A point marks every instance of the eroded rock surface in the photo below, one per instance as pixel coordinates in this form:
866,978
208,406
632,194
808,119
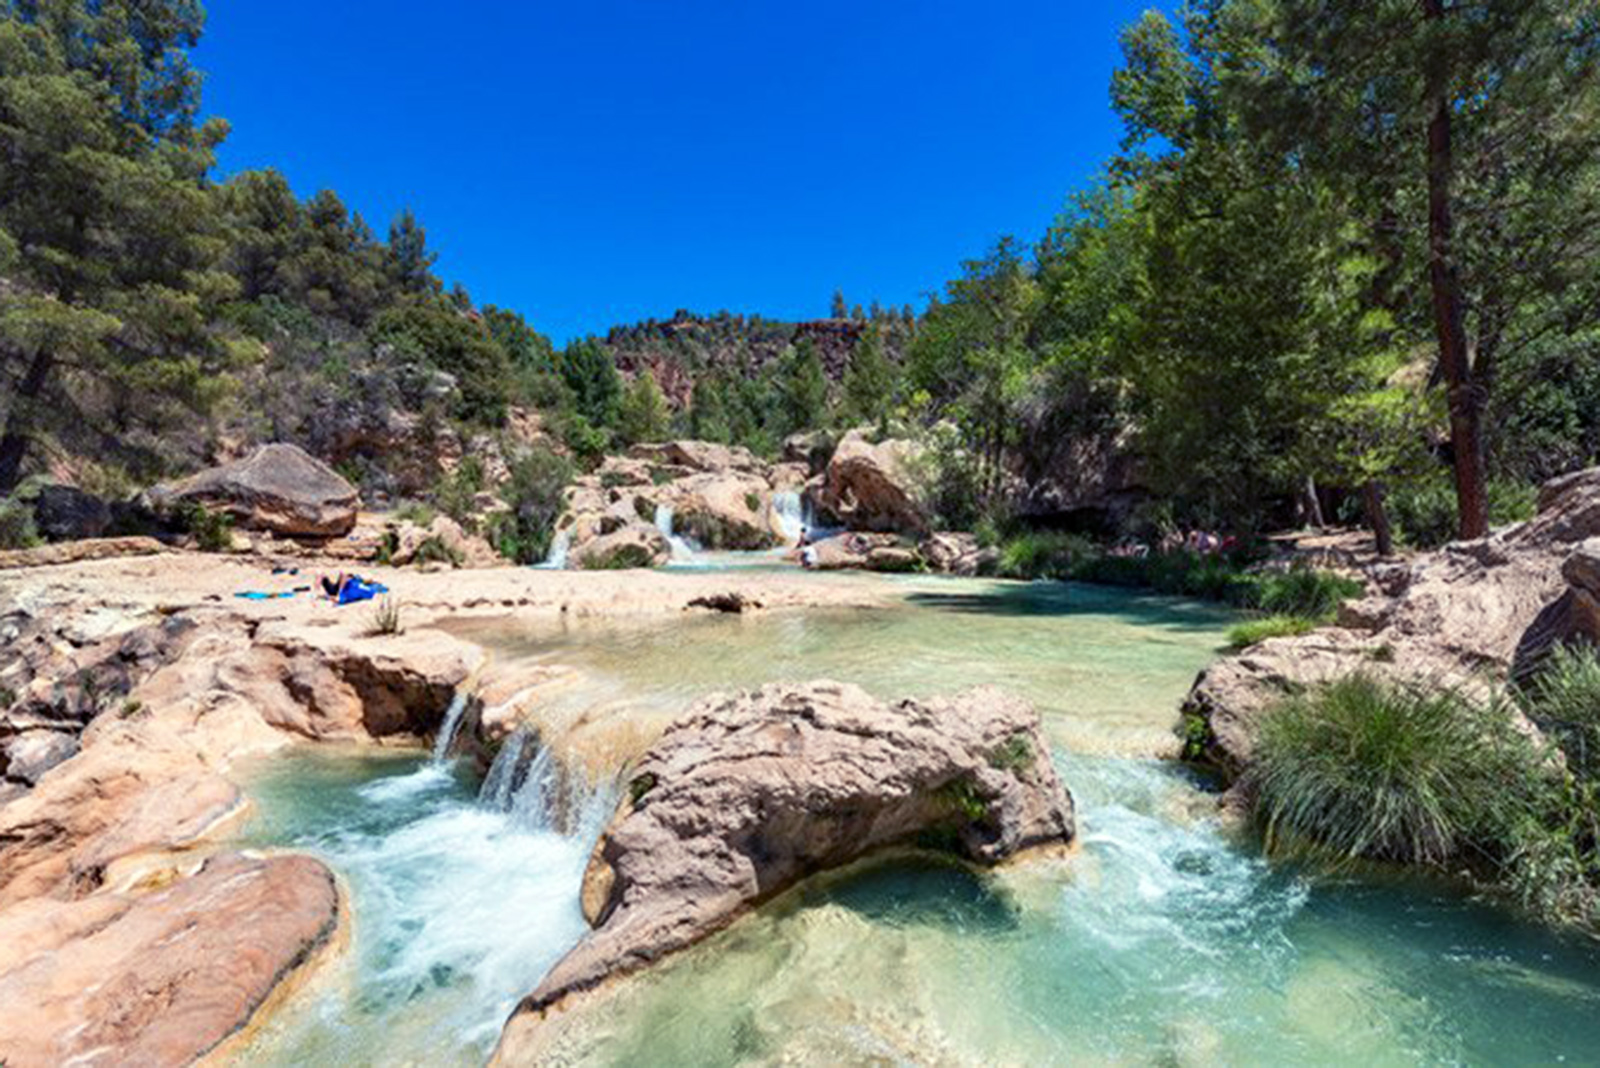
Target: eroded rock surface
1470,615
278,487
748,794
871,486
158,978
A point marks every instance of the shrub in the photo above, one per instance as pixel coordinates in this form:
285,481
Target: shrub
1304,592
534,493
1243,635
1360,768
1563,698
752,502
435,550
1424,511
457,495
622,558
213,531
16,525
1044,555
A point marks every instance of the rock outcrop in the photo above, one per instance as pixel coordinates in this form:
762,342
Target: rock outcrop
871,486
158,978
278,488
1471,614
719,497
628,546
748,794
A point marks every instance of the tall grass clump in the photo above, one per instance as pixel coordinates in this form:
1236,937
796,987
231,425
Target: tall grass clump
1563,699
1554,866
1302,591
1365,769
1043,554
386,619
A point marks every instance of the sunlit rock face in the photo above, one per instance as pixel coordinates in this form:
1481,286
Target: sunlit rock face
748,794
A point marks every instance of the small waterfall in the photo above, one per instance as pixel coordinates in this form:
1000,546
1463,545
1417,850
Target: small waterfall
501,781
790,512
450,728
557,558
683,549
539,793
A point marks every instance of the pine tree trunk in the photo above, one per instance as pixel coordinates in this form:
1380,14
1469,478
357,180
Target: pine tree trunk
19,420
1466,403
1378,517
1313,505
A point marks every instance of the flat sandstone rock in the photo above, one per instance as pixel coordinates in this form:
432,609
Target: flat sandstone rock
748,794
159,978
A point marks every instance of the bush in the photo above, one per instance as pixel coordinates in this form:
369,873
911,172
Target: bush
16,525
1360,768
213,531
457,495
1424,512
1243,635
534,493
1044,555
1563,698
435,550
1304,592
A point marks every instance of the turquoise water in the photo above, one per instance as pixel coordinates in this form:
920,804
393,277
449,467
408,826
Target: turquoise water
1161,941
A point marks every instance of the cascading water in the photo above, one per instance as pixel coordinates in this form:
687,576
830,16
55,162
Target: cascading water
450,728
1161,940
790,513
683,550
556,559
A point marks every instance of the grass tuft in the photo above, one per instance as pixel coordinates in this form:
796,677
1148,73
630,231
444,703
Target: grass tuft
1365,769
1253,631
385,619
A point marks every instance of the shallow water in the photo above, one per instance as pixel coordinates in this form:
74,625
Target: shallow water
1160,941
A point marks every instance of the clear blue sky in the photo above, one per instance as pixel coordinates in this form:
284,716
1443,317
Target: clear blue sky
600,162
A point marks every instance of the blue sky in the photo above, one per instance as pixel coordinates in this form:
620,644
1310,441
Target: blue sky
603,162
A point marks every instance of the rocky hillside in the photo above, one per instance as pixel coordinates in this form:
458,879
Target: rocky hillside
687,347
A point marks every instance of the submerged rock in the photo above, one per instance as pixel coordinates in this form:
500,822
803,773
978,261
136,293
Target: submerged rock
159,978
749,794
279,488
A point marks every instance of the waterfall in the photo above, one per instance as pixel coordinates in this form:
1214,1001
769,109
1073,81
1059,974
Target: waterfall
451,726
501,781
539,793
557,558
683,549
790,513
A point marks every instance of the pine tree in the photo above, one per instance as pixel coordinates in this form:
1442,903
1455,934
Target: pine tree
410,263
107,231
802,390
869,384
643,414
839,310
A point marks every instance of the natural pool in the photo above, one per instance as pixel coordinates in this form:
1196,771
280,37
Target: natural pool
1160,942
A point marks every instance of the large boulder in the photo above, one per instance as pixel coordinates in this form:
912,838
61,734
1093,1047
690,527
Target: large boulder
725,511
441,542
161,978
67,513
871,486
278,488
748,794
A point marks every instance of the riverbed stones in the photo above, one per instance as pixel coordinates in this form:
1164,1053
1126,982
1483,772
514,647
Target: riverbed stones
748,794
158,978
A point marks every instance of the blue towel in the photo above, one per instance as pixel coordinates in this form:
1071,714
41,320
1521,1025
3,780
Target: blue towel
359,589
